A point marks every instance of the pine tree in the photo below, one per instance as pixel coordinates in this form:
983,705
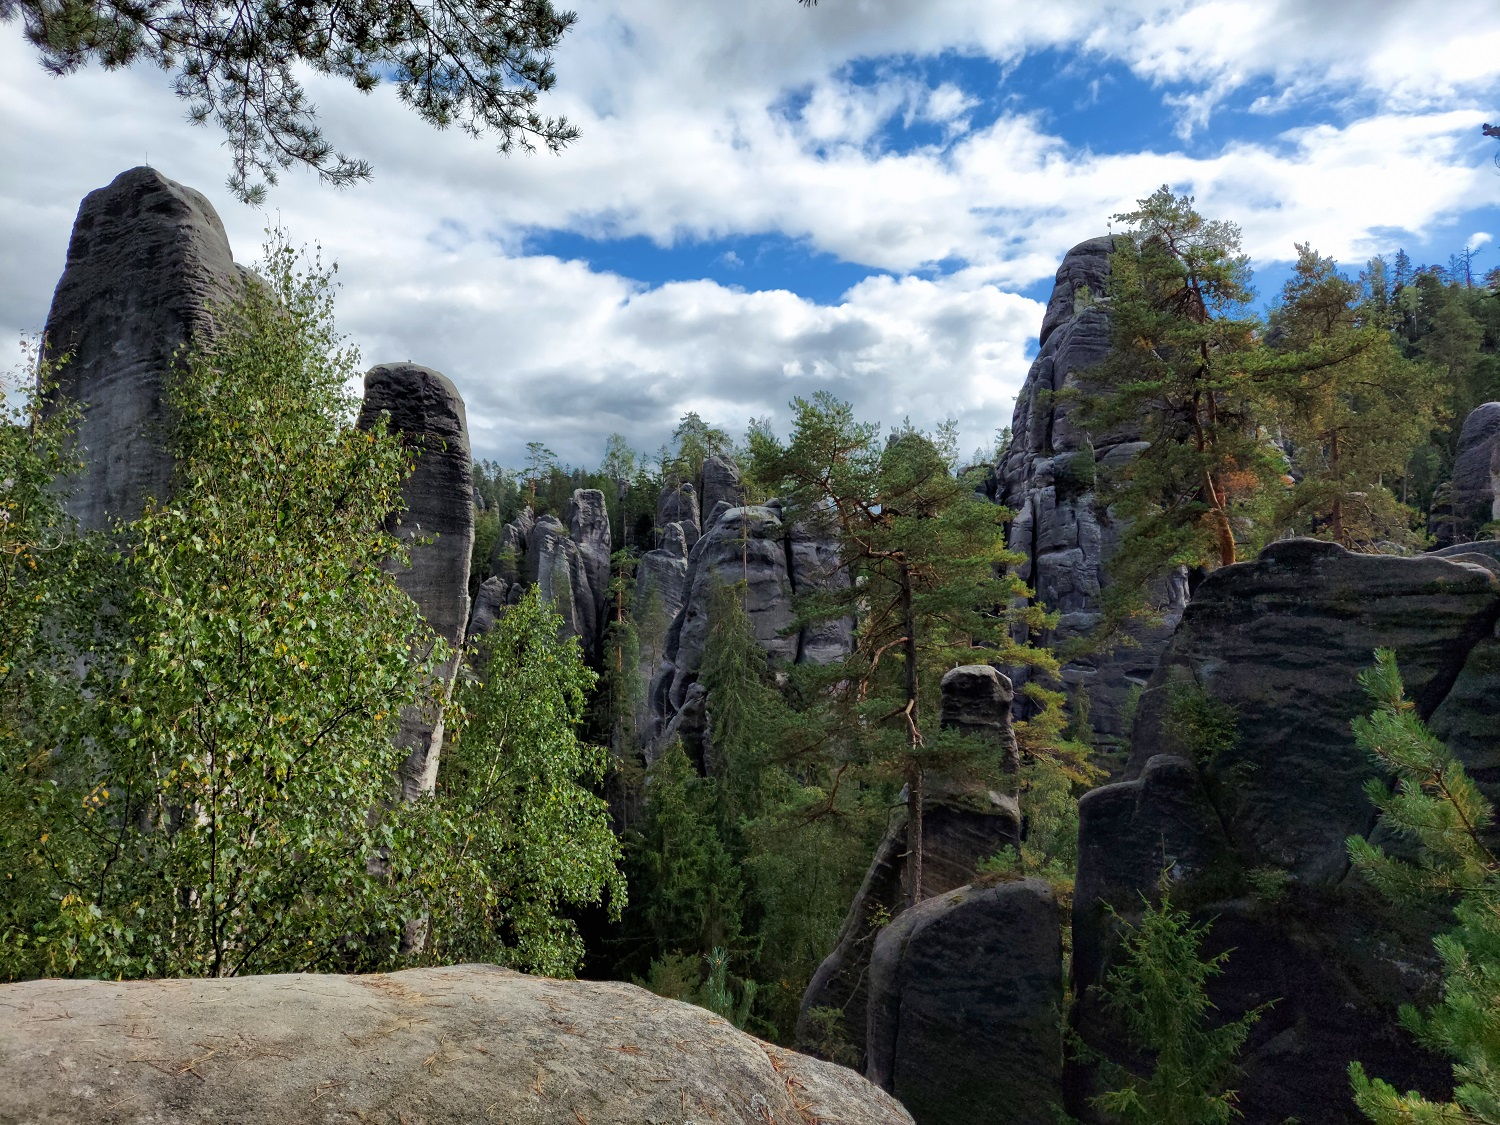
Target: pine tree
1178,370
923,556
1350,407
1436,807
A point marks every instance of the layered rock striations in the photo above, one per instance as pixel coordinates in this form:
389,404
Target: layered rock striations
751,547
1473,495
425,409
966,993
1063,531
459,1044
1245,782
148,269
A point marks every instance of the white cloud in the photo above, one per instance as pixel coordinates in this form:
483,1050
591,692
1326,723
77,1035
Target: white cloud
688,134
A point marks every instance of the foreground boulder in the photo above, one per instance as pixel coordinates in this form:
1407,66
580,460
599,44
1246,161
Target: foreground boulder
467,1043
148,267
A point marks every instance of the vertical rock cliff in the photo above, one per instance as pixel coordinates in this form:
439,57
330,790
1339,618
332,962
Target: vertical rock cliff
148,265
426,410
1046,477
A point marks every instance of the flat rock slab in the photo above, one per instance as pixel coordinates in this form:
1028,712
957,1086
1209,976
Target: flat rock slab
469,1043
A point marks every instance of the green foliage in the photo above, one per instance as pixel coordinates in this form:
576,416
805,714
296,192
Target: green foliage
205,808
1203,726
687,890
924,558
1436,807
693,442
1349,405
1179,287
480,66
1159,992
514,835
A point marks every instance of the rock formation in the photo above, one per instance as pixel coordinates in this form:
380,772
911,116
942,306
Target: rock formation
426,410
568,559
148,266
1046,478
1473,495
962,825
966,994
718,483
1245,781
460,1044
749,545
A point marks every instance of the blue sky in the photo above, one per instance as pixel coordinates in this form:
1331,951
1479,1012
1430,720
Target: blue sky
867,196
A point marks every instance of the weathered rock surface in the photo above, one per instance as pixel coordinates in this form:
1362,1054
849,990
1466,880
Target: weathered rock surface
678,504
1046,478
148,263
461,1044
426,410
965,1006
1474,492
718,483
962,824
588,526
568,559
1253,834
1281,640
489,602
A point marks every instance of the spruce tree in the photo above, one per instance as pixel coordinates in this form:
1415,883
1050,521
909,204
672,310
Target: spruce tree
1159,992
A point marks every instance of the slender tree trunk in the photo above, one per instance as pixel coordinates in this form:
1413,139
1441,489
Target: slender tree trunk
1339,536
915,780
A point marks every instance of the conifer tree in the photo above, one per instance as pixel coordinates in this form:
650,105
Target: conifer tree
1349,405
1178,370
924,556
1159,991
1437,807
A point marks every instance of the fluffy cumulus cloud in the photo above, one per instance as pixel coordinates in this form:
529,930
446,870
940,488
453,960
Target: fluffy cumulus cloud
858,131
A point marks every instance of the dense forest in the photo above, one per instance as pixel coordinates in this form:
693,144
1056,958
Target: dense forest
206,711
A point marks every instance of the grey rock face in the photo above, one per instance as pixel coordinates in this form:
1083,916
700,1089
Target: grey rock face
569,562
148,264
1474,494
965,996
460,1044
426,410
489,602
1280,640
747,545
679,504
719,483
1046,479
588,526
962,824
814,565
1276,644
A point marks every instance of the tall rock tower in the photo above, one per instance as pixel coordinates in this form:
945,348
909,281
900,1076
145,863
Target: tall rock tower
1046,478
148,264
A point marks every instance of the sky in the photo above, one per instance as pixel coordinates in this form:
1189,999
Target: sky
868,197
